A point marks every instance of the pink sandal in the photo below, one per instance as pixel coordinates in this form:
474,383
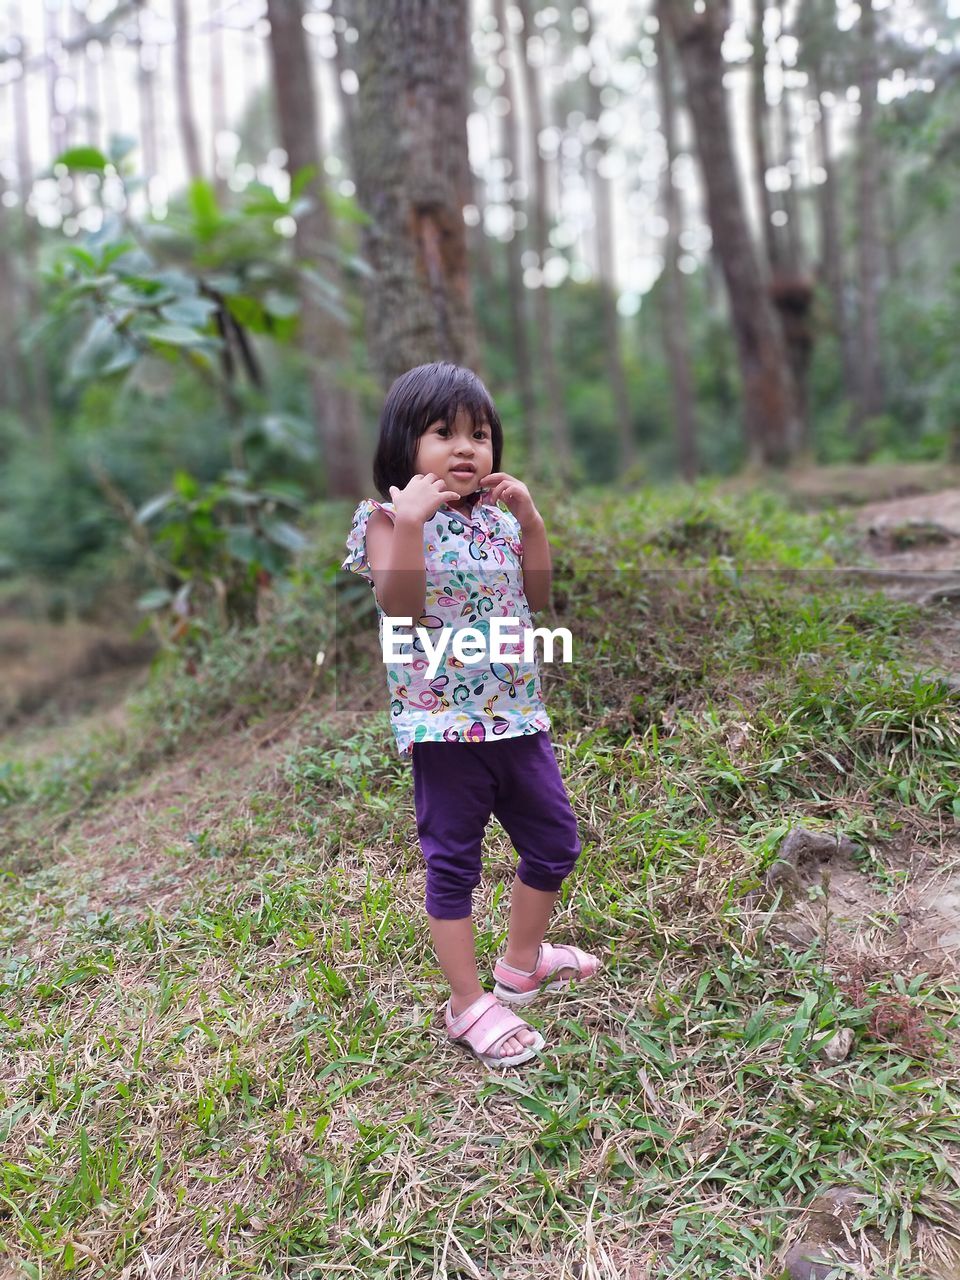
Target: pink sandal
483,1025
515,987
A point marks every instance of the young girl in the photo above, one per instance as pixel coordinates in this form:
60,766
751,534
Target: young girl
443,553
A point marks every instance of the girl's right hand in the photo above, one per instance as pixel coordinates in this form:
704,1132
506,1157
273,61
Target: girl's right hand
421,498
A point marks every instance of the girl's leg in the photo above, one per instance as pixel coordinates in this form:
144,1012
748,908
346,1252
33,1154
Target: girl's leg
529,914
457,955
535,811
450,824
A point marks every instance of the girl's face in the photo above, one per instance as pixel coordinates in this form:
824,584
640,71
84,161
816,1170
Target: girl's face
460,456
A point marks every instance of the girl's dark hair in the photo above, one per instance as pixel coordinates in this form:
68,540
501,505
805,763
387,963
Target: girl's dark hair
419,398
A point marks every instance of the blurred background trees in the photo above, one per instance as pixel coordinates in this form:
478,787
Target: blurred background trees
676,239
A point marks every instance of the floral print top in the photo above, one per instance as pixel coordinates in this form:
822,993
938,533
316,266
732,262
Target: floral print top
474,572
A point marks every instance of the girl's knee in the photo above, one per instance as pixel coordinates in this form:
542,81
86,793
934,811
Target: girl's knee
449,896
546,875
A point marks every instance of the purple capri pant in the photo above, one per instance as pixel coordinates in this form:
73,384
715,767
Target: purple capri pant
457,785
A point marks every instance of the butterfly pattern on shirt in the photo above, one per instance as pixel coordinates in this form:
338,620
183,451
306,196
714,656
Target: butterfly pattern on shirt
474,573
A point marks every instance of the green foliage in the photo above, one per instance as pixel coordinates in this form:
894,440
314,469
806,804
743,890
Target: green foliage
221,542
180,304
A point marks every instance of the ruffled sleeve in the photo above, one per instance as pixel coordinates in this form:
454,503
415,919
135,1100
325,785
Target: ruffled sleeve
356,560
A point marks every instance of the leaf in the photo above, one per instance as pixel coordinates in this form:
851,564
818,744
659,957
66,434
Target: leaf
120,146
283,305
248,312
154,506
135,293
359,266
345,209
223,282
102,351
178,335
265,202
301,180
81,256
283,431
186,485
194,312
180,283
112,252
126,356
244,545
155,599
203,206
285,535
84,158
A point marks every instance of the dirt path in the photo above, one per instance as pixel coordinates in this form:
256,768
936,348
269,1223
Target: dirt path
912,553
58,674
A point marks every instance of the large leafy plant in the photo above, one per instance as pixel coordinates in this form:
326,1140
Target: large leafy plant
201,287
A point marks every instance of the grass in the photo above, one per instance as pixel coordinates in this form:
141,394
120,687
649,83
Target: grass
254,1079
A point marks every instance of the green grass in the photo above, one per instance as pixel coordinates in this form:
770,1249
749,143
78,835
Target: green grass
253,1079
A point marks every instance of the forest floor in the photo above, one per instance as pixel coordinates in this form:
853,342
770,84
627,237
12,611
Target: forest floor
221,1051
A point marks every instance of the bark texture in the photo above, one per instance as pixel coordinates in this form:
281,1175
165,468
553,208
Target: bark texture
413,180
771,415
323,338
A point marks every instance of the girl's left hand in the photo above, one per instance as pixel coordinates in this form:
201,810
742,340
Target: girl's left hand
500,487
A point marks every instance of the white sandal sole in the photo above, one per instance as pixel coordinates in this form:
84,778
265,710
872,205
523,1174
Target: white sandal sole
519,999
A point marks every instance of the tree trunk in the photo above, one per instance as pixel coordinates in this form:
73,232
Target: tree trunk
56,121
516,293
831,252
871,399
758,136
323,338
185,114
347,102
34,381
770,408
13,394
110,81
91,84
218,102
891,230
794,255
413,181
21,116
605,242
675,337
477,244
148,115
543,311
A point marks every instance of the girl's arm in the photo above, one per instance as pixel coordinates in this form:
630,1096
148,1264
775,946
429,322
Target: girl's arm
537,565
395,549
395,555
